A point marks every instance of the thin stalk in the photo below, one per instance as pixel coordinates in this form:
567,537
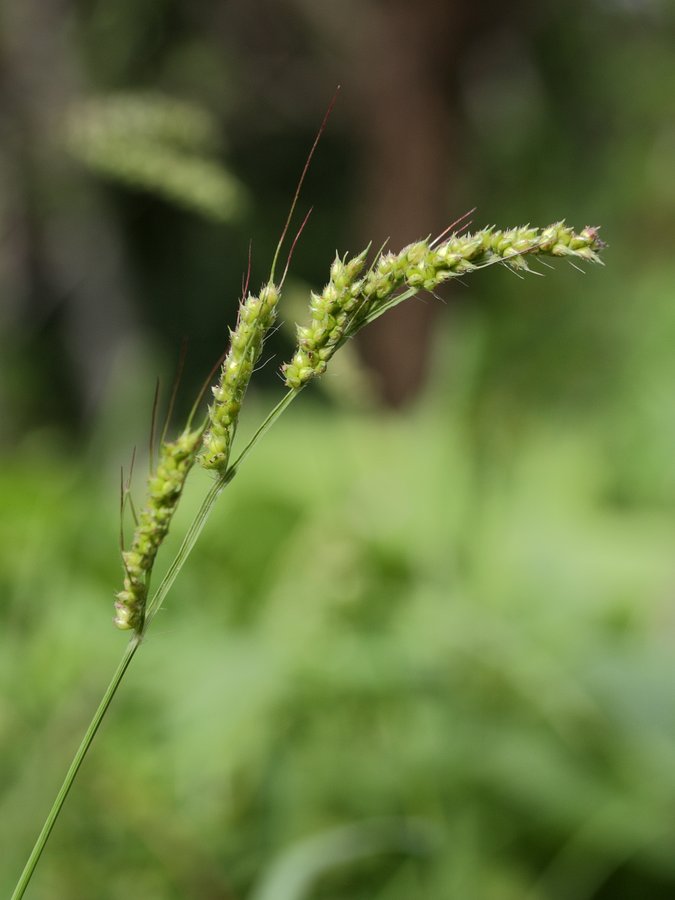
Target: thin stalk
188,543
208,503
271,418
89,735
185,549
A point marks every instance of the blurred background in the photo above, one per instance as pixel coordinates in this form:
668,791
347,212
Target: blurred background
424,647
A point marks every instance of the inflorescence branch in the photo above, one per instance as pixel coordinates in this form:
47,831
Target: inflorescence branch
350,299
353,297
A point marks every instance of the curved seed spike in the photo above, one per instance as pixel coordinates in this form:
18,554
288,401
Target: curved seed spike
348,301
256,316
331,312
174,462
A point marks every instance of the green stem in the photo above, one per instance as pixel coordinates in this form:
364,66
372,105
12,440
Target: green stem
185,549
106,700
271,418
204,510
189,540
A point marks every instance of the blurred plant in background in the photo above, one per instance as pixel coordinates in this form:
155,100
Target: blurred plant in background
158,144
489,664
458,660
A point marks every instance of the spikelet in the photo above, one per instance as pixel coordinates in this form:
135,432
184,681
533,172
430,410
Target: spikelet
347,301
176,458
330,312
256,317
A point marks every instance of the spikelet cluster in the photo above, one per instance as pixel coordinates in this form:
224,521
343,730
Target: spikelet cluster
348,301
330,314
176,458
256,317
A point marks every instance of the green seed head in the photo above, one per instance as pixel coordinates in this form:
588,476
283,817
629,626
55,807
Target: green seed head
256,317
348,302
175,460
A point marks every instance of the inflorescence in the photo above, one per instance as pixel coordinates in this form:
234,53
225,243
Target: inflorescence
256,317
353,297
165,486
350,300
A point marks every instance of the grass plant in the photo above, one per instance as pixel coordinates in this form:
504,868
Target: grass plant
357,293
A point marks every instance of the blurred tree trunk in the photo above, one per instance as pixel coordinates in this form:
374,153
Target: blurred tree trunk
399,61
409,137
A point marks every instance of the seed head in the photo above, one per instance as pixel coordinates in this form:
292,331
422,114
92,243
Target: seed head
330,312
348,302
256,317
176,458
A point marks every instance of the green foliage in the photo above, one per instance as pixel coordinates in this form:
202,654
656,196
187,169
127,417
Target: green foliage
438,663
436,646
